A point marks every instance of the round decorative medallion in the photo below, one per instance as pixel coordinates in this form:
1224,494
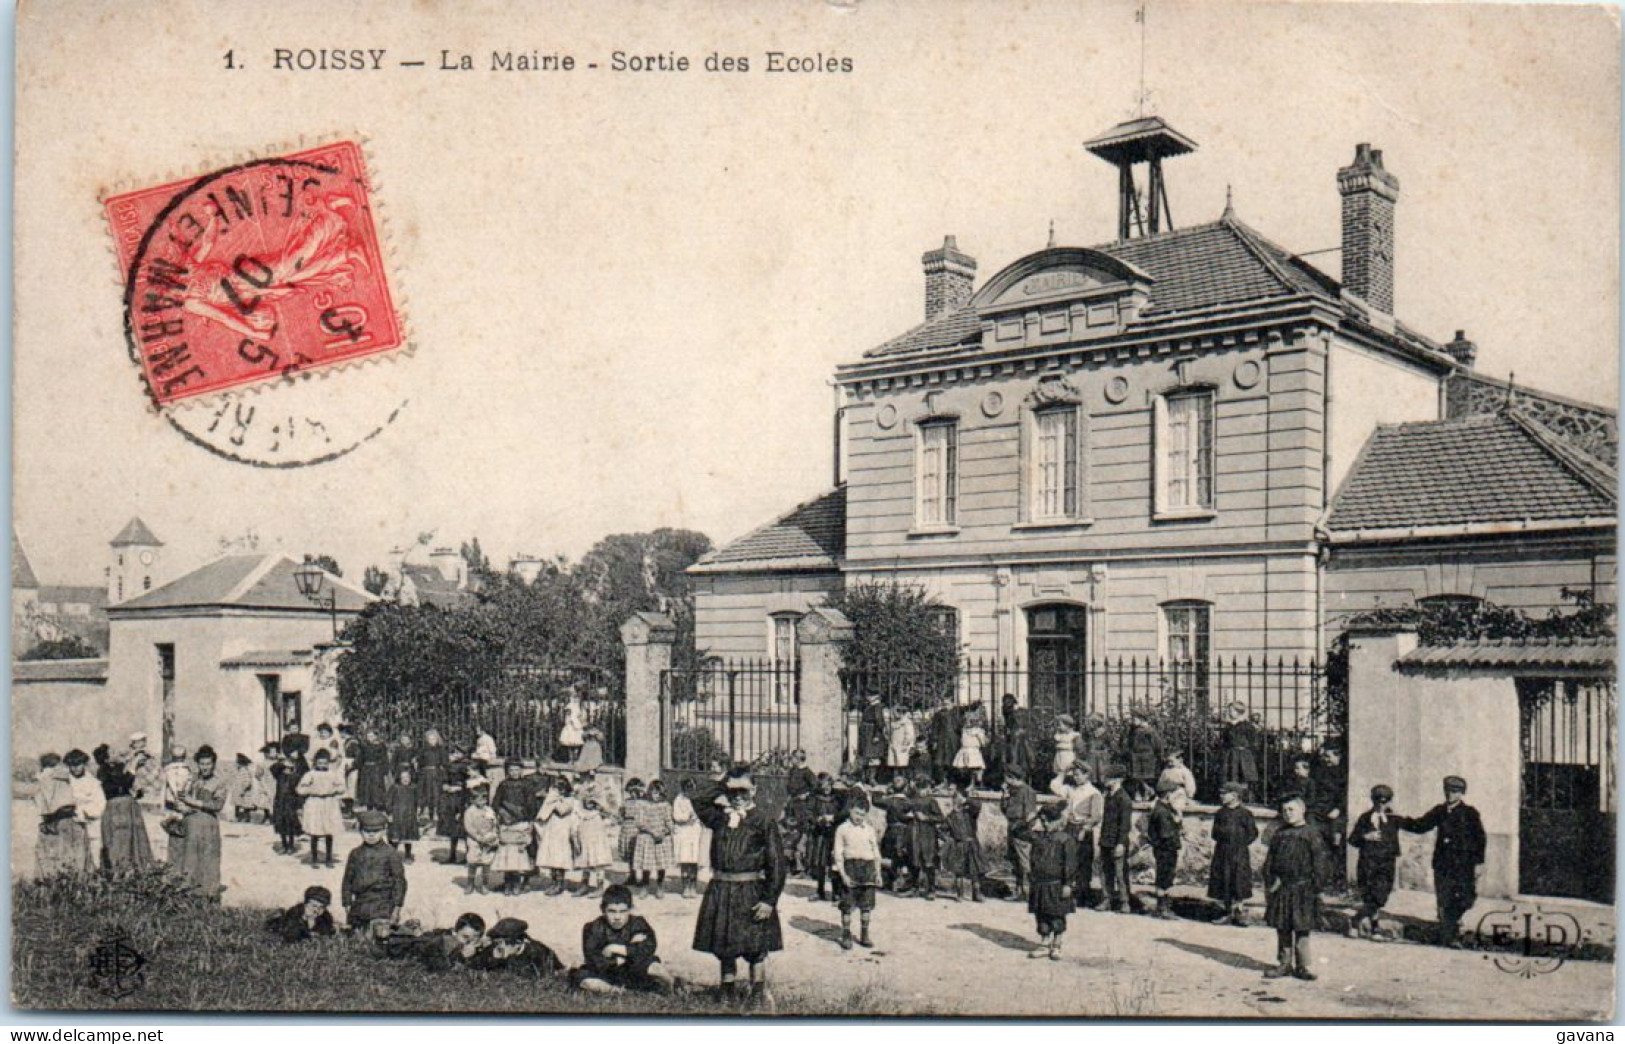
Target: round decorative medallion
1117,389
1248,374
992,404
886,416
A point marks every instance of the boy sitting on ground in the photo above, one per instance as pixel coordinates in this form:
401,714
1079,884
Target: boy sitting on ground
619,950
306,919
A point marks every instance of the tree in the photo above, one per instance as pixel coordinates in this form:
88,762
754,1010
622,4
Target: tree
67,647
641,572
327,562
478,564
374,580
898,645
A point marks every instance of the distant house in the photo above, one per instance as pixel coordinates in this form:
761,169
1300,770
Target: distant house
444,581
42,612
230,654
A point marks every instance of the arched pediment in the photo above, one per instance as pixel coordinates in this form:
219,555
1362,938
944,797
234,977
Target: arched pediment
1055,275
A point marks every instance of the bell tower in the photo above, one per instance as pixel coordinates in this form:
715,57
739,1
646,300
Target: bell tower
134,566
1144,140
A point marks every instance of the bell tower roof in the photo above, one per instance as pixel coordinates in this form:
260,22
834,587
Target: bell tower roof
136,534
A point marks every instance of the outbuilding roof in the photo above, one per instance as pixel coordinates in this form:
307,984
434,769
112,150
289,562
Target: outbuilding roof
1566,653
811,536
1498,468
87,671
245,581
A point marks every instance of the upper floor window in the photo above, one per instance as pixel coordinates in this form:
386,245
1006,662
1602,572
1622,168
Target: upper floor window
1184,478
1054,464
937,473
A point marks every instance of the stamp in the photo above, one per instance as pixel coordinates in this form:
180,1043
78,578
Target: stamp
243,284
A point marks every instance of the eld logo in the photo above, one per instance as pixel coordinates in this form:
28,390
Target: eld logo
1529,942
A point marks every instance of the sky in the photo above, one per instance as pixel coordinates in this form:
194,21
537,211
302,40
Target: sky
628,292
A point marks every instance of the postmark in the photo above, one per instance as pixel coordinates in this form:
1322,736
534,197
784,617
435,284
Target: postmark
117,968
247,290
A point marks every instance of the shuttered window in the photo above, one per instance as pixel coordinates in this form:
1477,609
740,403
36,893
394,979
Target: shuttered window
1186,452
1055,465
936,477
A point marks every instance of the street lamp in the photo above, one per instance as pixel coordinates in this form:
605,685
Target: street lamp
312,580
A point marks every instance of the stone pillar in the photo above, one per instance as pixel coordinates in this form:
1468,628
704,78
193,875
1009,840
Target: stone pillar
819,635
648,639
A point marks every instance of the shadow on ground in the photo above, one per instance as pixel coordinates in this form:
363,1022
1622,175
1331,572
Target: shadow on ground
998,937
1228,958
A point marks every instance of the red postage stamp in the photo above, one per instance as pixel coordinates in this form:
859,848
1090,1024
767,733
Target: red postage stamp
253,273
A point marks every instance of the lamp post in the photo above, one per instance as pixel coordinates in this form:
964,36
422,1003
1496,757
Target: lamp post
312,582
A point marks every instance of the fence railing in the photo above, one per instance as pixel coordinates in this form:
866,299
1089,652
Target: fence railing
1244,720
737,711
525,710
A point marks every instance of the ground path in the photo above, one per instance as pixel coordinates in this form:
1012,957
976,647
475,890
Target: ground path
960,957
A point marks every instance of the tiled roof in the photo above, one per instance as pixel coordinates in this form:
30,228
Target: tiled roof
270,658
22,573
812,536
136,532
1583,653
95,597
1485,469
430,587
1224,262
59,670
245,581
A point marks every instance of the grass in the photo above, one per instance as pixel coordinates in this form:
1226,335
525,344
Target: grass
204,957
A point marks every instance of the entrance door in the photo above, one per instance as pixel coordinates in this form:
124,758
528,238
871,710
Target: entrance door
1566,822
1057,660
166,684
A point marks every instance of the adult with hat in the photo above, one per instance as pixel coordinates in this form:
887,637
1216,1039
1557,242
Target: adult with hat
374,886
1116,825
1458,852
513,950
305,919
1230,871
1376,837
739,914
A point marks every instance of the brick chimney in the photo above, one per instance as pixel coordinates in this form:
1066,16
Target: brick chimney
1462,350
1369,193
949,276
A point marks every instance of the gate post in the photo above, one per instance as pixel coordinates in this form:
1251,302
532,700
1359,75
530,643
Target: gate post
823,703
648,638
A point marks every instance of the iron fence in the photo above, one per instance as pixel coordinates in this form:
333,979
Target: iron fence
1240,719
736,711
525,709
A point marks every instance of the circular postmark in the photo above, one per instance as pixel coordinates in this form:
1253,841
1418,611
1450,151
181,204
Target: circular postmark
242,285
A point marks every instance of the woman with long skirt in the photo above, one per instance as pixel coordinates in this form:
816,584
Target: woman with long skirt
124,827
196,854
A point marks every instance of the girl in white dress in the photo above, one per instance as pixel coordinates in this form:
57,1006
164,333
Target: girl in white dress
555,823
972,738
322,815
689,837
592,847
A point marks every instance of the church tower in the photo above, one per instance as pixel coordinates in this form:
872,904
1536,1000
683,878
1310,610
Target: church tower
134,568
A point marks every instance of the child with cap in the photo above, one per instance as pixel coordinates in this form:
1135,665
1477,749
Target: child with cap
1376,837
513,950
1230,872
1295,872
1164,832
322,815
1054,868
374,878
305,919
480,827
618,950
855,857
1116,827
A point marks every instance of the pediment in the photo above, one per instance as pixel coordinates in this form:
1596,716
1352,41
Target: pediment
1057,275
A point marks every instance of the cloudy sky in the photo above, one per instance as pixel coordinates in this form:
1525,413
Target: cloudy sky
629,291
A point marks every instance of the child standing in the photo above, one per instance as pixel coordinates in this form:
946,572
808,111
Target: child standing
618,950
1376,835
1164,832
855,855
1054,868
514,832
555,822
627,840
1067,742
403,812
972,738
480,827
592,850
688,837
822,809
453,803
286,771
1295,871
652,851
1230,875
962,852
246,792
374,877
923,842
322,816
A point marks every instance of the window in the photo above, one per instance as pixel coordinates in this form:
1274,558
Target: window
937,474
782,651
1188,630
1055,464
1184,481
946,620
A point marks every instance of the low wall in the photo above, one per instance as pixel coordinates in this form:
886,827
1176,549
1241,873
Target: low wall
56,713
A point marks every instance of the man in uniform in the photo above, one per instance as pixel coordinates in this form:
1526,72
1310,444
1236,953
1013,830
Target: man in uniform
1458,852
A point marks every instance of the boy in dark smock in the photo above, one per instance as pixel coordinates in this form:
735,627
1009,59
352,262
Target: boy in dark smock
739,914
374,878
822,809
512,950
1230,873
306,919
1296,870
1054,868
1165,834
1116,824
927,816
618,950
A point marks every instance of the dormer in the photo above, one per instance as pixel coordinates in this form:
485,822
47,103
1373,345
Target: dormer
1060,295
